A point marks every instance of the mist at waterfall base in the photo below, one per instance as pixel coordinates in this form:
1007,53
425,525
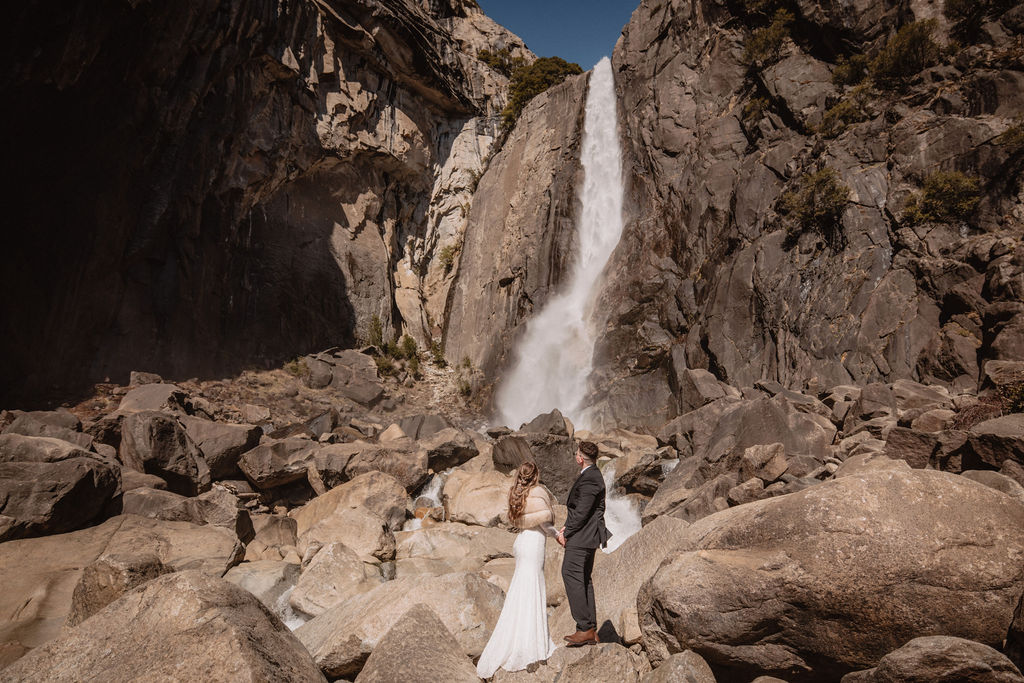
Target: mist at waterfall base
554,357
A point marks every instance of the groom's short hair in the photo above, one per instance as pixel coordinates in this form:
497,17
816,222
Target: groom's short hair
589,450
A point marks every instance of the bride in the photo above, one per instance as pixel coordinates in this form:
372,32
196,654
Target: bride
521,635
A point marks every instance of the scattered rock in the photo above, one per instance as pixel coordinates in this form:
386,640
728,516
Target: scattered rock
448,448
997,481
155,443
480,499
278,462
268,580
606,662
688,667
222,444
993,441
110,577
153,397
333,575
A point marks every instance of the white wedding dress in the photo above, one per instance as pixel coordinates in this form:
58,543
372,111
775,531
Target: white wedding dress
521,635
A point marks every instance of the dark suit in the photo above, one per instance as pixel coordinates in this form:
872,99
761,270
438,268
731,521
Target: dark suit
584,532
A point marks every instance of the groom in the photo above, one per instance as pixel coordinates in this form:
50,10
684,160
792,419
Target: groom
583,532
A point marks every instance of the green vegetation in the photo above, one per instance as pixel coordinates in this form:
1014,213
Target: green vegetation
946,197
407,347
816,205
386,366
396,356
376,337
501,60
447,256
530,81
1012,136
851,109
851,71
764,46
297,367
906,54
437,354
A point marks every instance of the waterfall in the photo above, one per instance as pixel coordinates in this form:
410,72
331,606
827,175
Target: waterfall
621,516
555,355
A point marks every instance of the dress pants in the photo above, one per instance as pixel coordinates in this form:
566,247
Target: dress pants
577,566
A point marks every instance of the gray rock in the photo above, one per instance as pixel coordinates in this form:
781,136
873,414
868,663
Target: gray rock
682,667
553,455
993,441
58,424
278,462
423,426
149,397
419,647
547,423
997,481
448,448
940,659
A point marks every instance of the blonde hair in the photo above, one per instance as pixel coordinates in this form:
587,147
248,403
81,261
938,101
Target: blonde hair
526,478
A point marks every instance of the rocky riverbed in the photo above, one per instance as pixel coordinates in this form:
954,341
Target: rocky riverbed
856,532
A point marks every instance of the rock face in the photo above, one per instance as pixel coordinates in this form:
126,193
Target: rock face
167,630
940,659
753,589
521,228
299,177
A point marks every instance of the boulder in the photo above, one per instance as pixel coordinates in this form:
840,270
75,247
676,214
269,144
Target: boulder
217,506
934,420
606,662
940,659
110,577
480,499
938,450
685,666
41,574
133,479
167,630
696,388
379,493
450,546
267,580
418,427
448,448
553,455
275,530
643,472
618,577
150,397
547,423
905,570
58,424
997,481
342,638
222,444
993,441
767,462
678,486
156,443
690,433
333,575
419,647
277,462
406,463
358,528
354,376
50,486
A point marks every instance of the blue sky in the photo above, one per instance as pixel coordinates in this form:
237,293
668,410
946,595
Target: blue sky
580,31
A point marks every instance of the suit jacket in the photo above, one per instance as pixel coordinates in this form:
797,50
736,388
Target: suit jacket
584,526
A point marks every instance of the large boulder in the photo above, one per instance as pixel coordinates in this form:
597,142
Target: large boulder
423,426
156,443
377,492
110,577
278,462
619,576
149,397
401,459
940,659
685,666
449,547
756,588
40,575
448,448
606,662
49,486
342,638
477,498
993,441
57,424
222,444
333,575
184,626
552,453
358,528
419,647
217,506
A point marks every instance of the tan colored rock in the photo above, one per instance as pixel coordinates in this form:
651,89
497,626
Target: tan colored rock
997,481
451,544
156,443
392,433
608,662
905,570
480,499
376,492
333,575
168,630
940,659
222,444
277,462
357,528
342,638
619,575
448,448
110,577
685,666
766,462
267,580
418,648
155,396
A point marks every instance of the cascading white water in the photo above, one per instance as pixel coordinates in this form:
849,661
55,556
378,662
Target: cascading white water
554,358
621,516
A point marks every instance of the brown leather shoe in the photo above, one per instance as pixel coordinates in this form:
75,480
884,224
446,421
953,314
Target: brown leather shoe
588,637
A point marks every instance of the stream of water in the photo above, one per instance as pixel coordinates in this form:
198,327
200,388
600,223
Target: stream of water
555,355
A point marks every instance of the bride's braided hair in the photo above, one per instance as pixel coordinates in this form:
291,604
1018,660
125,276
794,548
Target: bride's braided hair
526,478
